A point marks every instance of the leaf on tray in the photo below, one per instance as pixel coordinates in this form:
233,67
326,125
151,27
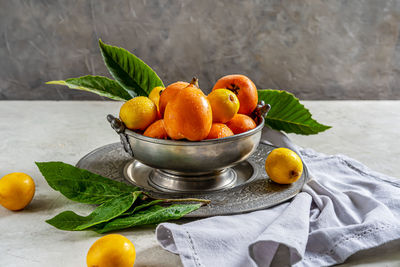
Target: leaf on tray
153,215
288,114
129,71
82,185
100,85
70,221
141,206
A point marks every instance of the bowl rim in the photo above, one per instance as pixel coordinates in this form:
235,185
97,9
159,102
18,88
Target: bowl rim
235,137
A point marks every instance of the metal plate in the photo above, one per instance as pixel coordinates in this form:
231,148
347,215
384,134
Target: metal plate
255,193
141,175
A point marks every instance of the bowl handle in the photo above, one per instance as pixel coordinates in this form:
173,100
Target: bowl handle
119,127
260,111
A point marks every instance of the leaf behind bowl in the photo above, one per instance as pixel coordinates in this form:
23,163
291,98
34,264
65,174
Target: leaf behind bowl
288,114
129,71
100,85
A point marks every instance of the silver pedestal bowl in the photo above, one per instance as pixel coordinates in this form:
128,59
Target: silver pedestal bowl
186,166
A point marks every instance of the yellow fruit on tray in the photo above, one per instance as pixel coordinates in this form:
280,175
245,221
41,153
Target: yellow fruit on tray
138,113
224,104
283,166
155,96
112,250
16,190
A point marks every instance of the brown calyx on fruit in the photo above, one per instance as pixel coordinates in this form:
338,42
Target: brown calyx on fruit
294,174
234,88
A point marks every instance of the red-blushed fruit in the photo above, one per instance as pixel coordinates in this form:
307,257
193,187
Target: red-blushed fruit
241,123
219,130
156,130
169,94
244,89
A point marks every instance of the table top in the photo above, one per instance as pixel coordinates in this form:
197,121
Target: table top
65,131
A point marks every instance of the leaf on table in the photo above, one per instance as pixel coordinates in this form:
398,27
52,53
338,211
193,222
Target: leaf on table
288,114
70,221
102,86
153,215
82,185
129,71
141,206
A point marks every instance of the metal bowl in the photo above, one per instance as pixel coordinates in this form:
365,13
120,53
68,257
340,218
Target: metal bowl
185,166
186,158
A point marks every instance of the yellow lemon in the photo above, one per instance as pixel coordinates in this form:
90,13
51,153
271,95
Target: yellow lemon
155,95
138,113
224,105
16,190
112,250
283,166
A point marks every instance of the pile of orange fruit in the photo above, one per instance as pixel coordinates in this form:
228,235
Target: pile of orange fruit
183,111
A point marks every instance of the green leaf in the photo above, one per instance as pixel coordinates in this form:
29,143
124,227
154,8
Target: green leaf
82,185
141,206
288,114
96,84
129,71
153,215
70,221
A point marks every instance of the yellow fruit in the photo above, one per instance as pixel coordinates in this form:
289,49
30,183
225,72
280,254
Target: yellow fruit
283,166
224,105
16,190
155,95
112,250
138,113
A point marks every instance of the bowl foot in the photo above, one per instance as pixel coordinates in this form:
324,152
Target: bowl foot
171,181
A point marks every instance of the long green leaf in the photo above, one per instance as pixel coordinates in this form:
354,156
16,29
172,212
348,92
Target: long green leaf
140,206
70,221
129,71
152,215
96,84
288,114
81,185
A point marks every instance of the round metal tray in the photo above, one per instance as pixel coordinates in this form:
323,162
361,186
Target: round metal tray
252,189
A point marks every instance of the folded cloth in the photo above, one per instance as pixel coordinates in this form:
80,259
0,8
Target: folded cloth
345,208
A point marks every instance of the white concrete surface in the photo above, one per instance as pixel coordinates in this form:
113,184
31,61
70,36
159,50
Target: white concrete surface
65,131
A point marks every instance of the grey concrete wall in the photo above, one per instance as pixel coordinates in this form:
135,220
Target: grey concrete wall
317,49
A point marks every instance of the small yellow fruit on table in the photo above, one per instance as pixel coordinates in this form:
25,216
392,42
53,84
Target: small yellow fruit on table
138,113
283,166
112,250
16,190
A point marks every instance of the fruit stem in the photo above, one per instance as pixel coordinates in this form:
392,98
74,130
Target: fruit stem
169,200
195,82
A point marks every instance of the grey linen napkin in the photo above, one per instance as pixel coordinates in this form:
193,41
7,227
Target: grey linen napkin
345,208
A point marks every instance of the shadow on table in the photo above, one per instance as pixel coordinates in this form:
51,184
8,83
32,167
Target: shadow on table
155,257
